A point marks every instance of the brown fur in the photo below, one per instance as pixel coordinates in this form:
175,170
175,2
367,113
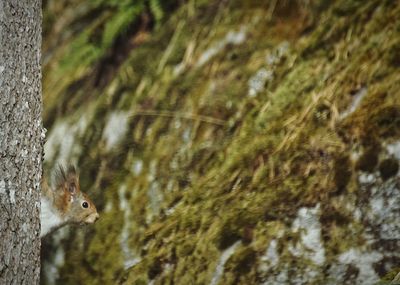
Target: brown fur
67,198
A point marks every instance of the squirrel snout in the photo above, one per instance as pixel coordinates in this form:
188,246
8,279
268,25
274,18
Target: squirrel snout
92,218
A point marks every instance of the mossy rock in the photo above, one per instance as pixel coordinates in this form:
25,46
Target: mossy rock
230,167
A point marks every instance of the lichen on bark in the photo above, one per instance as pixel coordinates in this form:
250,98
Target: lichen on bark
21,141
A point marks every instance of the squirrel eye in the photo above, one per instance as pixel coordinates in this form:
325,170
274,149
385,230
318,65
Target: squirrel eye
85,205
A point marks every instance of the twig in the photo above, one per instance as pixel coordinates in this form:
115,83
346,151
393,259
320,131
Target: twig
396,279
170,47
187,116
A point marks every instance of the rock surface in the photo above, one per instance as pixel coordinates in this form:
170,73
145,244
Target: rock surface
227,142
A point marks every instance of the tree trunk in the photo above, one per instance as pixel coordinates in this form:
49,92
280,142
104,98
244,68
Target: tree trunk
20,140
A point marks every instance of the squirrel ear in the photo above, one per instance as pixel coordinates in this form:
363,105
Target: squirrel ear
72,188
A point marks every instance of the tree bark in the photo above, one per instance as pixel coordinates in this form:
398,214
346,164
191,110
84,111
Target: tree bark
21,140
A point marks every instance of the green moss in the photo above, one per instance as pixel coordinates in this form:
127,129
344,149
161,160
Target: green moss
330,214
347,7
140,282
389,276
155,268
386,121
187,247
242,261
228,234
343,172
136,274
244,177
236,226
240,267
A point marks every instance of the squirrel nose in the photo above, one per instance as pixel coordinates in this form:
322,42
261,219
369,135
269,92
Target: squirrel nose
96,217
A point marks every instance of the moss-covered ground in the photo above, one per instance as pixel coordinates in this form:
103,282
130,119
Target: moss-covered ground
238,115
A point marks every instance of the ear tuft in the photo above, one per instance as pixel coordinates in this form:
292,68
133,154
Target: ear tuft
72,187
66,179
72,171
60,177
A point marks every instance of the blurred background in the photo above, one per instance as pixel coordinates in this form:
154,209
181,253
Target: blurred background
225,142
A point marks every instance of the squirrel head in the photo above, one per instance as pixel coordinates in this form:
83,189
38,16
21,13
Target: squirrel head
74,206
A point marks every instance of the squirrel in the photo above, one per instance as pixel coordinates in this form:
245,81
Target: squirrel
64,203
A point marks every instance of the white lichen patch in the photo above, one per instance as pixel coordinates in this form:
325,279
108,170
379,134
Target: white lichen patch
51,267
172,209
12,195
363,261
130,259
156,197
384,210
290,275
51,273
186,135
257,82
304,277
278,54
366,178
281,278
2,187
154,194
115,128
108,207
59,257
43,134
123,201
394,149
357,98
231,38
310,245
60,140
271,257
379,213
309,249
1,77
62,144
137,167
219,270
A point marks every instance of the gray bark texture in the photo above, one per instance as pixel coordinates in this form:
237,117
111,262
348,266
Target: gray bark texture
21,136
